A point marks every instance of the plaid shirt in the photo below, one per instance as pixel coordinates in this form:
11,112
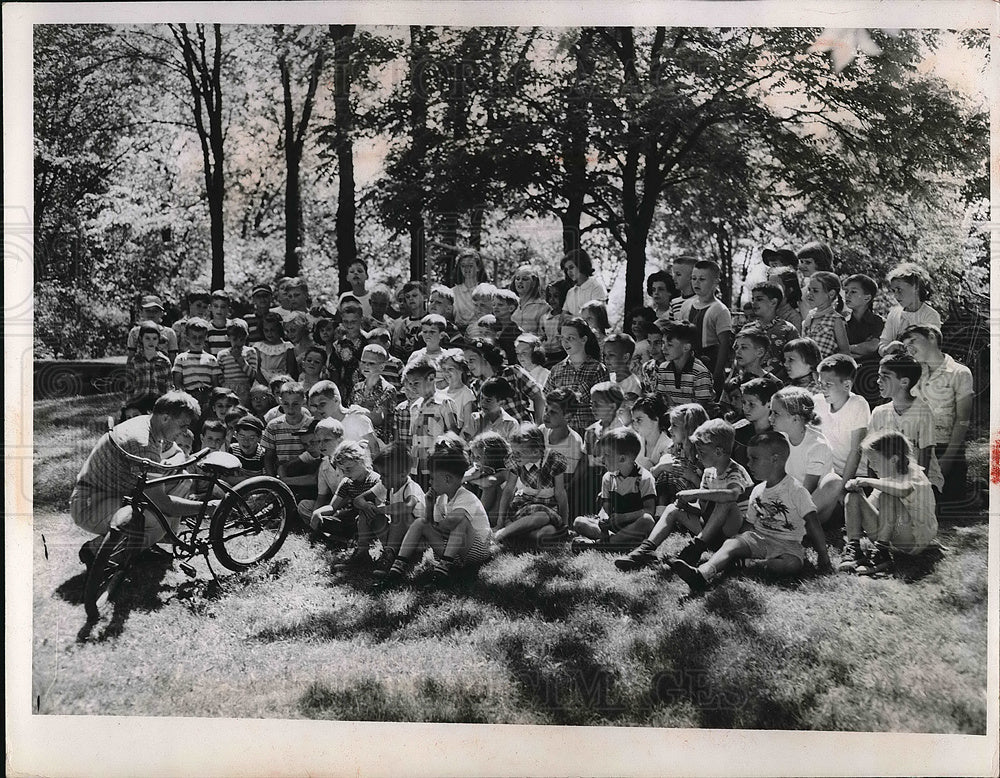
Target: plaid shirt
580,378
692,384
520,406
820,327
401,426
429,419
146,377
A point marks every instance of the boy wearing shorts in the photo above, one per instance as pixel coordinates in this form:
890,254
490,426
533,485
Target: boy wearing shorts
780,512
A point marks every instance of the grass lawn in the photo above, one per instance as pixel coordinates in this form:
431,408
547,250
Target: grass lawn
549,638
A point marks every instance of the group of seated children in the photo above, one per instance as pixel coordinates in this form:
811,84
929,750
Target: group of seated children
748,442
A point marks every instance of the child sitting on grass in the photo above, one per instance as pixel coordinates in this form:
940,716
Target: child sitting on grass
534,503
328,435
898,515
491,456
458,529
678,468
301,474
628,496
713,512
780,512
383,525
359,485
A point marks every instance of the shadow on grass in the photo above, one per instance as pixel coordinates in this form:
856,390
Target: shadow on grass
140,591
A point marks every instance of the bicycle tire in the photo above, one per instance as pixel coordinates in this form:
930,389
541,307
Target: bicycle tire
111,562
251,523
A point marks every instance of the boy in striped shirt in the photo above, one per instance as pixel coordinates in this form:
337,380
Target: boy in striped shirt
196,371
238,362
281,440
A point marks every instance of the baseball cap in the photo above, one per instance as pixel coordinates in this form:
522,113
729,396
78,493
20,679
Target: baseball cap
261,288
250,423
151,301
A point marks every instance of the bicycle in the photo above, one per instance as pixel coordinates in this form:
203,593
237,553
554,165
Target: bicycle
248,526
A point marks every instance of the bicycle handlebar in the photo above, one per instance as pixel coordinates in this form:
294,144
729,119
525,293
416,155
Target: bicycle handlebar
196,457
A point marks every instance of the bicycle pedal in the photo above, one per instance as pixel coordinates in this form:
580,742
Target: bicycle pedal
188,569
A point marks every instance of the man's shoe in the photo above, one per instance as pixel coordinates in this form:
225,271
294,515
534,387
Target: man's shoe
89,550
690,575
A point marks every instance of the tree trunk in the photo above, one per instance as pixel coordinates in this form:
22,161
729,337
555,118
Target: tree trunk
636,235
418,142
575,146
476,227
347,249
205,82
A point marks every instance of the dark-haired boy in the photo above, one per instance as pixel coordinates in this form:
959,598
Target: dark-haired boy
218,335
682,377
261,300
712,320
505,302
755,397
780,512
897,375
750,351
432,414
197,308
844,415
458,529
765,300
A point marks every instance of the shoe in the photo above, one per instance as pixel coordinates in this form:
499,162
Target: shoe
691,554
879,561
852,558
360,558
89,550
690,575
581,544
636,559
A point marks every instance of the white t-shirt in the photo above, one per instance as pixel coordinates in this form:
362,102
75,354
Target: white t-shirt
897,320
467,503
651,458
577,296
779,511
328,478
364,299
811,457
837,426
410,488
571,448
717,319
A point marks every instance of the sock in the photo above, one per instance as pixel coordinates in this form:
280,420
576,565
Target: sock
647,546
443,566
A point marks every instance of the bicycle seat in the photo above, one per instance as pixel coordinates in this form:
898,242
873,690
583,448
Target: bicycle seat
220,463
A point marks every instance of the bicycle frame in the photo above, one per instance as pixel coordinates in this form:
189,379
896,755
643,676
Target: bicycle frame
141,503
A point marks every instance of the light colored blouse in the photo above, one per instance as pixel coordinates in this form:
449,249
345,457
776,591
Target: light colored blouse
529,315
578,296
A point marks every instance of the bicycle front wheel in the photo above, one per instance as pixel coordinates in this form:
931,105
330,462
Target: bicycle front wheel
251,523
111,563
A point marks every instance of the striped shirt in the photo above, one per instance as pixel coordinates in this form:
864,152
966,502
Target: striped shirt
217,338
197,369
235,377
580,378
279,437
734,475
691,384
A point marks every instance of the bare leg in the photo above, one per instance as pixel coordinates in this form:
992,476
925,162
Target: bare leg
628,536
532,521
859,515
826,496
734,548
725,520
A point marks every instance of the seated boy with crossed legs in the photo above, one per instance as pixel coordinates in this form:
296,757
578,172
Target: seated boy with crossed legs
779,513
712,512
457,528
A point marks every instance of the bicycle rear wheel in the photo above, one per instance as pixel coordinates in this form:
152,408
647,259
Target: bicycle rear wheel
111,563
251,523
